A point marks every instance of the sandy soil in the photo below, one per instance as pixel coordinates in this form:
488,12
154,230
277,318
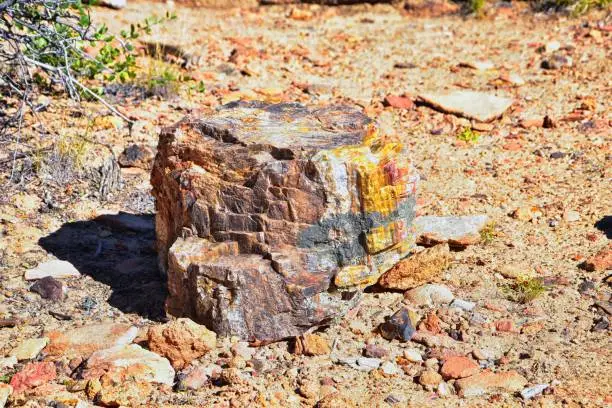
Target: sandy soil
359,55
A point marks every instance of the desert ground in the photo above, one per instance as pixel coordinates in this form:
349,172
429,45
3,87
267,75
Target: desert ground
540,173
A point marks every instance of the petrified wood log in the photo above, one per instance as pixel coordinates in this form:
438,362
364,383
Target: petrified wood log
272,218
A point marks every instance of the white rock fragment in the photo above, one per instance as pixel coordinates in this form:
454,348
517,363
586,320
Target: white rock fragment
430,295
469,104
390,368
444,390
368,363
413,355
5,392
479,65
571,216
456,230
553,46
55,268
463,305
533,391
29,349
8,362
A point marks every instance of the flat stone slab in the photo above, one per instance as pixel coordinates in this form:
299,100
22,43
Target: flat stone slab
85,340
468,104
458,231
131,361
56,269
271,218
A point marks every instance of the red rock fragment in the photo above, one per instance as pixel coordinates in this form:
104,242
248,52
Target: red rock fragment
401,102
504,325
459,367
181,341
431,323
489,382
311,345
33,375
601,261
532,123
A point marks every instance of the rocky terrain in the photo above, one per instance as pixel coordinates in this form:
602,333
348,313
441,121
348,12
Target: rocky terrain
505,301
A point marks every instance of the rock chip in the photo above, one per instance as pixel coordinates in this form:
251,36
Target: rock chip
601,261
457,231
368,363
516,271
374,351
8,362
33,375
430,379
463,304
275,206
129,360
5,392
430,295
468,104
398,326
49,288
119,389
137,156
85,340
181,341
29,349
55,268
435,340
533,391
459,367
413,355
488,382
311,345
335,400
199,376
390,368
417,269
401,102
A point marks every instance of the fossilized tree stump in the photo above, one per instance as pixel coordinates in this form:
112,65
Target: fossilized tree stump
271,218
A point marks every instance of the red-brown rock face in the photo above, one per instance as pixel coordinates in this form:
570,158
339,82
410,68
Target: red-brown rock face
270,218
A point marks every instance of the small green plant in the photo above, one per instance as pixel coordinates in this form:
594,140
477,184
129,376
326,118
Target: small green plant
476,6
525,289
162,79
468,135
579,7
488,233
5,378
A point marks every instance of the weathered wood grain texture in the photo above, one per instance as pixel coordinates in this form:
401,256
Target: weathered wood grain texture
272,218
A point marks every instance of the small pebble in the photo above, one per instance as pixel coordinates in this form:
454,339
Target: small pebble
463,304
413,355
531,392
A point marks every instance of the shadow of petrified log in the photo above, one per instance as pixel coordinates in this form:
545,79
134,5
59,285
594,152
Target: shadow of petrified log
125,259
605,226
271,219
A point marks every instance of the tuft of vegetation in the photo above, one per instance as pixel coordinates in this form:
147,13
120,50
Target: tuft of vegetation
488,233
525,289
162,79
468,135
576,7
476,6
